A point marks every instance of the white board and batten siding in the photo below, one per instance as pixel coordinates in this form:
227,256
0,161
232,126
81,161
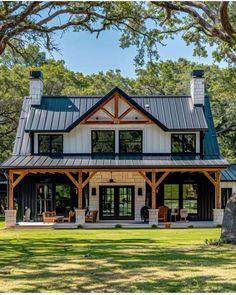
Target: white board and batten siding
229,184
155,140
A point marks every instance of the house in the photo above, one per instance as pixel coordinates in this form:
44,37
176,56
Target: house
115,154
228,184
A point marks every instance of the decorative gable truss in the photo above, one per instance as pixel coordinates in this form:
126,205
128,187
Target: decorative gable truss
116,110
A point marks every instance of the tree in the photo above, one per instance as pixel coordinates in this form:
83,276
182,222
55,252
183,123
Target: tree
145,25
228,233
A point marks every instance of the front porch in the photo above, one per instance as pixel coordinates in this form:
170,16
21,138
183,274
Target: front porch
115,224
117,194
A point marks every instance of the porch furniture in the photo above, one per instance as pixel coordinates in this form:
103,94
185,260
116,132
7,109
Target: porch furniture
175,213
50,216
162,214
183,214
27,215
92,216
144,213
68,219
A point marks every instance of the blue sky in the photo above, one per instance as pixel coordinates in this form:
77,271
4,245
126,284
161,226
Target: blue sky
83,52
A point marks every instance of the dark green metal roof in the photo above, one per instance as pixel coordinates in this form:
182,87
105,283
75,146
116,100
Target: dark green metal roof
229,174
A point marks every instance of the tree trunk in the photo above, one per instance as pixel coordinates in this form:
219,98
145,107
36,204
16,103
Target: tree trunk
228,232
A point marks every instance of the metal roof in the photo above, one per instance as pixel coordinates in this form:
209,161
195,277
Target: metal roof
61,114
229,174
38,161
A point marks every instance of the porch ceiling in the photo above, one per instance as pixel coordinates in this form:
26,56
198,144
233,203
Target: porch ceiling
38,161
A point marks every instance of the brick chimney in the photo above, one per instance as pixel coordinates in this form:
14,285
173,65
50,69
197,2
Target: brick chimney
36,87
197,87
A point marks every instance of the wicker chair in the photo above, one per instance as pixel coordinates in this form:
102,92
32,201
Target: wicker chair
92,216
68,219
162,214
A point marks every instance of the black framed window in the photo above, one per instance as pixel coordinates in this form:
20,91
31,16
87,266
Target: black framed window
171,196
50,144
183,143
190,197
130,141
103,141
226,193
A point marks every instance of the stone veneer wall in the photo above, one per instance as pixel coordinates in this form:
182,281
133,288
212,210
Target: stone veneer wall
120,178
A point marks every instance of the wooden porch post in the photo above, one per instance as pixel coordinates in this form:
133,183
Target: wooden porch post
10,191
153,190
80,190
217,190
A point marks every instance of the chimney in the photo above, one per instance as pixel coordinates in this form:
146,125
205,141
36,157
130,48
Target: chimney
36,87
197,86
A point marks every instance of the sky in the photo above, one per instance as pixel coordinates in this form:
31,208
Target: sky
85,53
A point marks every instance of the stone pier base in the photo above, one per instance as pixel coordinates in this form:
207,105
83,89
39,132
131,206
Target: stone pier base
80,216
10,218
218,216
153,216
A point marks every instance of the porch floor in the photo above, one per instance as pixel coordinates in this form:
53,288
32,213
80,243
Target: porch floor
113,223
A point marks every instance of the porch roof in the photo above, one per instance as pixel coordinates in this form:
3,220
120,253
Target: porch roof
39,161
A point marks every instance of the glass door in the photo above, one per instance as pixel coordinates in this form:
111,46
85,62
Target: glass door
117,202
44,198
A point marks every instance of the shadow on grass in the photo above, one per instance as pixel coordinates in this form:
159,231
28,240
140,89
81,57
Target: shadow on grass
124,265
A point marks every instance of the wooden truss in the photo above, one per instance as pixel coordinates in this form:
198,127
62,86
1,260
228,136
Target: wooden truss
114,116
16,175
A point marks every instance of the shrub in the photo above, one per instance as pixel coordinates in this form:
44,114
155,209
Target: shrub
118,226
215,242
218,225
79,226
190,226
154,226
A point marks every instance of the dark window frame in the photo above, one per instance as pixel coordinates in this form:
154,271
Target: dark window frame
230,189
114,142
183,152
50,144
138,153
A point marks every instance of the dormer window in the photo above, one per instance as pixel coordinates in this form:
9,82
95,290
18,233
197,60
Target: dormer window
183,143
50,144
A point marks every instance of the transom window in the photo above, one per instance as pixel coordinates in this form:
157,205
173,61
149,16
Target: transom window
130,141
183,143
50,144
103,141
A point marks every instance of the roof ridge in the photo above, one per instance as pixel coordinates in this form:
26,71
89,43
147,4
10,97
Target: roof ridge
131,96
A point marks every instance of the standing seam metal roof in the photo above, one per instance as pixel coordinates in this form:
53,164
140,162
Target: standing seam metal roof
61,114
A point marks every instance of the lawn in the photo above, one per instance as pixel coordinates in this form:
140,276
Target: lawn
115,260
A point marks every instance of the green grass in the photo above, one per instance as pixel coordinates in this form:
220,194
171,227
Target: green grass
115,260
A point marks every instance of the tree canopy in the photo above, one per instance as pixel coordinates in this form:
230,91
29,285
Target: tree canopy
163,77
146,25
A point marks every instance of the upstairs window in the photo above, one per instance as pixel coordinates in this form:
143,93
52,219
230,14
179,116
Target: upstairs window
50,144
131,141
183,143
103,141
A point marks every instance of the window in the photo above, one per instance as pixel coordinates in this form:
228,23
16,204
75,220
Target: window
50,144
131,141
103,141
190,198
171,196
183,143
225,195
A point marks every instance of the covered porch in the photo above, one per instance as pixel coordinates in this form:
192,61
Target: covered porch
139,180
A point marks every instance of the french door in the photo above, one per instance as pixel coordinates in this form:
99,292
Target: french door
116,202
44,198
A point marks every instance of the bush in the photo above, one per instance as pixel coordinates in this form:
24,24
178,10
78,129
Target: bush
79,226
218,225
118,226
154,226
190,226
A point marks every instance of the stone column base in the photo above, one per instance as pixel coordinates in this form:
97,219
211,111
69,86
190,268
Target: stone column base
10,218
153,216
218,215
80,216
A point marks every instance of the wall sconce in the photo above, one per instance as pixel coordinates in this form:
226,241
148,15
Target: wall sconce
94,191
140,191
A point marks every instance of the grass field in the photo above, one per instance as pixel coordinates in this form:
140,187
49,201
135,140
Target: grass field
115,260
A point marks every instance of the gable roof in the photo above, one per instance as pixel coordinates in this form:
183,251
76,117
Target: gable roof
229,174
61,114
